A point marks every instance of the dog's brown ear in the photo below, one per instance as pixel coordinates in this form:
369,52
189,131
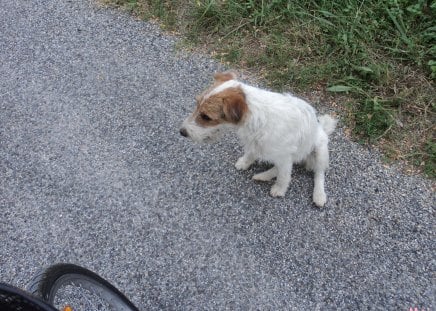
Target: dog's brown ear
235,106
225,76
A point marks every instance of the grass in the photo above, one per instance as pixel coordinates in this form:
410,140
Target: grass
377,57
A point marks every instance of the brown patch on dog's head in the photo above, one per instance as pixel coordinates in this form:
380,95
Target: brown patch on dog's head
228,106
222,77
235,106
219,78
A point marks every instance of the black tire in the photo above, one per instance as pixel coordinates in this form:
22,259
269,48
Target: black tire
13,299
50,283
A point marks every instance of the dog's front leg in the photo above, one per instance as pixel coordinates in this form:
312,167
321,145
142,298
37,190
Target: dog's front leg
245,161
284,171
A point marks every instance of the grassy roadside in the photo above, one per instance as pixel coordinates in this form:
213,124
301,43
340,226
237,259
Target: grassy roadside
378,58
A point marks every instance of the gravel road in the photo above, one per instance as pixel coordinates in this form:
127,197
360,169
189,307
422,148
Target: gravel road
93,171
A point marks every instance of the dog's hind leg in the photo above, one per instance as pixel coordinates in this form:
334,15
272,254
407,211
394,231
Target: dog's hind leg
319,166
281,185
319,196
267,175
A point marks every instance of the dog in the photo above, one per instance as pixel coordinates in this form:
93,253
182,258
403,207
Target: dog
277,128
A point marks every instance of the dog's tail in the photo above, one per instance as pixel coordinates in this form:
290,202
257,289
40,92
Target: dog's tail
328,123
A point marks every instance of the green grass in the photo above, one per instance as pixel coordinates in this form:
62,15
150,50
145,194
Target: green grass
378,56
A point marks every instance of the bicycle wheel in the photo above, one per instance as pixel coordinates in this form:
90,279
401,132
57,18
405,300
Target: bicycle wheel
69,285
13,299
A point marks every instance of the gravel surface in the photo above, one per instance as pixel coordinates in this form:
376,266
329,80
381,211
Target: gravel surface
93,171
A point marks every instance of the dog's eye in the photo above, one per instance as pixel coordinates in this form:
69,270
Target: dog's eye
205,117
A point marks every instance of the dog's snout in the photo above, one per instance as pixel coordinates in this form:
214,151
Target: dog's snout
183,132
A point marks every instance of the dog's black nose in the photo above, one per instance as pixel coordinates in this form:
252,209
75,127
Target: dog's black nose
183,132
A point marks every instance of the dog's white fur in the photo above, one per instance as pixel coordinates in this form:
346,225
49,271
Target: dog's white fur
278,128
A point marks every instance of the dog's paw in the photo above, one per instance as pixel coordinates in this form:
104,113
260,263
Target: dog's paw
319,199
278,191
242,164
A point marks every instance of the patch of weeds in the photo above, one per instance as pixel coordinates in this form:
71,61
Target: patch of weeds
374,119
429,159
163,10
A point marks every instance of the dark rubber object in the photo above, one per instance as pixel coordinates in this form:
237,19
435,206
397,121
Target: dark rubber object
48,281
13,298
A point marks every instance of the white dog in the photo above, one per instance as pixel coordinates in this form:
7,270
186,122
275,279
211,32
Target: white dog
277,128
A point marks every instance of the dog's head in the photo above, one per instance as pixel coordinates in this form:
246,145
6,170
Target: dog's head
220,107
